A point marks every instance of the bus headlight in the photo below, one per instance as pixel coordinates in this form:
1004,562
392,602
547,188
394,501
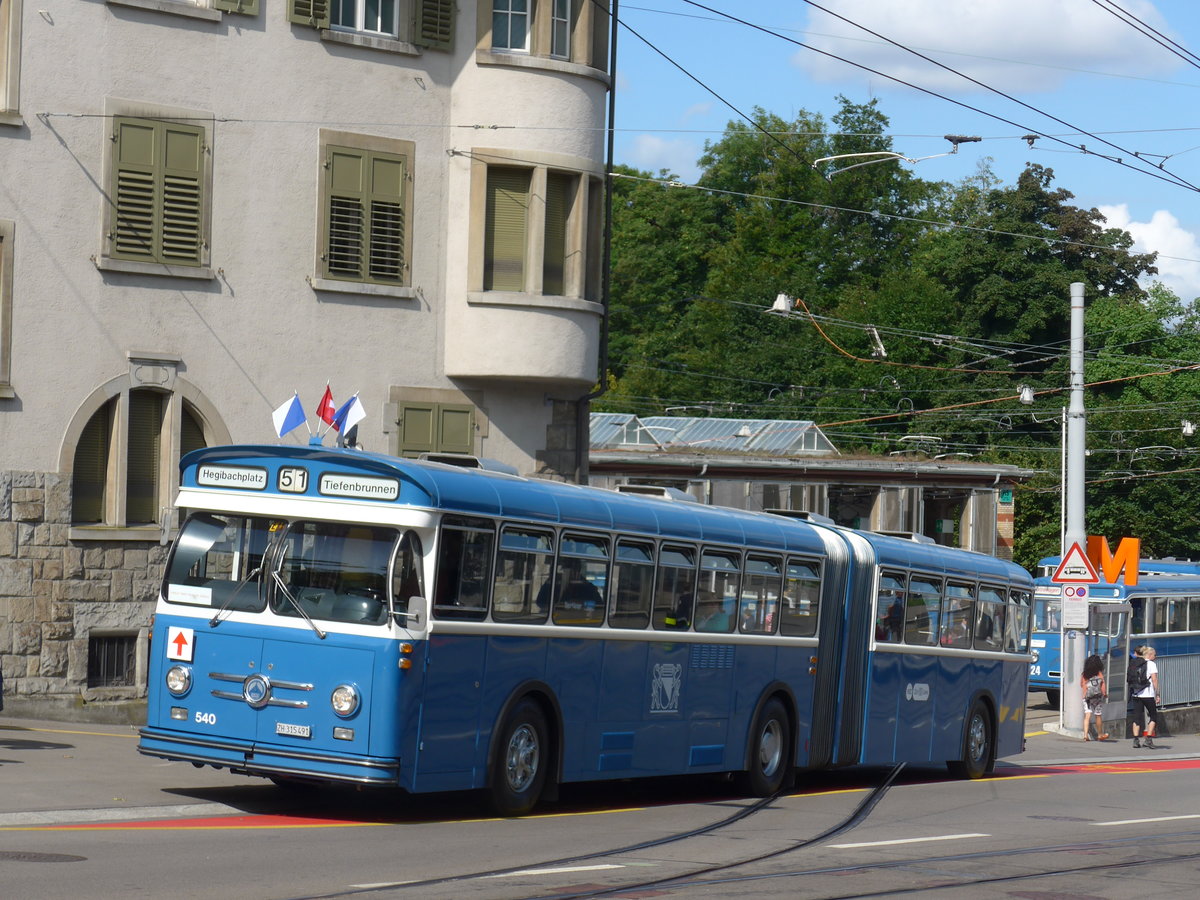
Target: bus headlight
1036,656
344,700
179,679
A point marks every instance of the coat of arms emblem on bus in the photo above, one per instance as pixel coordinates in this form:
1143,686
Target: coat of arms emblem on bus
664,689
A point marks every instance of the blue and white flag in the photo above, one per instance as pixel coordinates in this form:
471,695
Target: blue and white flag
289,416
348,415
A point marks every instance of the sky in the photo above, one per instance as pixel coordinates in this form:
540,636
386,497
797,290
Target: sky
1074,71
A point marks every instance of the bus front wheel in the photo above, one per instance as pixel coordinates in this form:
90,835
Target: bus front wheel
768,751
519,768
979,742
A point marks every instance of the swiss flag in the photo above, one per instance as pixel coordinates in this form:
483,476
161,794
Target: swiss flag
326,409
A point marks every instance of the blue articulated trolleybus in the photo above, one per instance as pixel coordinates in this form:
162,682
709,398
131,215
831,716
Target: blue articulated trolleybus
334,615
1161,611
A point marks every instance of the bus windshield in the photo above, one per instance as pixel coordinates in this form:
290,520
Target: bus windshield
334,572
1047,614
217,560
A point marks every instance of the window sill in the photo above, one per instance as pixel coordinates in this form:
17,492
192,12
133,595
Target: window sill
536,301
544,63
172,7
108,264
394,292
370,41
6,391
9,117
148,533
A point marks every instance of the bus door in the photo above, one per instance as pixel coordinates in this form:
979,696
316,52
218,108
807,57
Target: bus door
1108,635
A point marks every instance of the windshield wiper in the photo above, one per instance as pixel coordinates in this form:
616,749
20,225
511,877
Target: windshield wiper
216,619
296,603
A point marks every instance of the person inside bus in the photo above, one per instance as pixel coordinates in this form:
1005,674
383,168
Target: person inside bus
711,613
892,623
577,592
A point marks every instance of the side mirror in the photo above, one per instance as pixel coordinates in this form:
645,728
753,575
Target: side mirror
417,614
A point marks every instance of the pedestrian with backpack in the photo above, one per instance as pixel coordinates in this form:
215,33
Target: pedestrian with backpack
1095,694
1145,694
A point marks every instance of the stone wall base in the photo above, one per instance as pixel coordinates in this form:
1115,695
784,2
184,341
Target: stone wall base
60,709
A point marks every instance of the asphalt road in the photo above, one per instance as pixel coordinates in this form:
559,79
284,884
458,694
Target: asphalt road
83,815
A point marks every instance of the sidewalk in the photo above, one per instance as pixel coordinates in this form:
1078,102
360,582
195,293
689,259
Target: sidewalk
1045,746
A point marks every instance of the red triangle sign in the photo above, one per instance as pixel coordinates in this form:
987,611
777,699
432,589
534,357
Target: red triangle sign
1075,568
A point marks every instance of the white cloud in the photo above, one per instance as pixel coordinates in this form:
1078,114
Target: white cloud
1178,249
1013,45
652,153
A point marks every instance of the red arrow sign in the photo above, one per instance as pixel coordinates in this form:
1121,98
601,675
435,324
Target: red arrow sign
180,643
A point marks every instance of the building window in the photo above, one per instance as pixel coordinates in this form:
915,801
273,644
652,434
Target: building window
10,57
371,16
126,455
112,660
510,24
6,285
560,29
426,23
159,192
540,231
366,206
575,31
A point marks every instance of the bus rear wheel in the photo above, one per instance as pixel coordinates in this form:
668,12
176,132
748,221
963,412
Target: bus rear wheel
519,768
979,742
768,751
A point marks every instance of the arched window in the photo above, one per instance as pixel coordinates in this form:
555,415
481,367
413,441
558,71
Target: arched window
125,461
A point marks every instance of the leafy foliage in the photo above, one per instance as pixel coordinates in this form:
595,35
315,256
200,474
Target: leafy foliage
919,306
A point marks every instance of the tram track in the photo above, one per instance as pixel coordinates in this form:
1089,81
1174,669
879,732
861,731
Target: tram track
860,812
1092,867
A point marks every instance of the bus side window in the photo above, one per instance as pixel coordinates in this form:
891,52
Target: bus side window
580,579
720,573
760,596
524,576
463,570
801,598
1016,635
957,615
675,588
889,608
1137,621
922,612
633,585
989,619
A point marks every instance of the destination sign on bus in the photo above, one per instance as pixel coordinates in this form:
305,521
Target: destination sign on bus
336,484
251,479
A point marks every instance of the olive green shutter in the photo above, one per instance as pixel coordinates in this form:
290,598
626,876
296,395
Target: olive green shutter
346,213
559,194
157,192
309,12
386,250
504,237
245,7
90,476
433,24
191,432
436,427
145,438
364,213
456,432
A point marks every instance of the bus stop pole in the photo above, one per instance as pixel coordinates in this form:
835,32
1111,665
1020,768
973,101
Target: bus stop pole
1074,639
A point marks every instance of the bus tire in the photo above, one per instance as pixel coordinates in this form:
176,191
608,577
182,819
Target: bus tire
1054,698
768,752
979,744
522,757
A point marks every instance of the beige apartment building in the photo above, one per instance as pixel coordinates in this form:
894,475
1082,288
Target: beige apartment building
207,205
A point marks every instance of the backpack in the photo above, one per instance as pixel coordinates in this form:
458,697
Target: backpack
1095,687
1136,677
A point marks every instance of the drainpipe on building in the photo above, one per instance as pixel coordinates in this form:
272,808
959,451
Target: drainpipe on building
583,405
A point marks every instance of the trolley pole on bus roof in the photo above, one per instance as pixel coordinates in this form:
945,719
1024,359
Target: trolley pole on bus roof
1074,637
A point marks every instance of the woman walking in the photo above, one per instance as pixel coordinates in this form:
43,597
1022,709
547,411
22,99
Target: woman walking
1143,683
1095,694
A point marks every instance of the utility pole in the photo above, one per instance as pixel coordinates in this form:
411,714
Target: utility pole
1074,637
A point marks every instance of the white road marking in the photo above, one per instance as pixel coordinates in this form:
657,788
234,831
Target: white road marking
921,840
558,871
1146,821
